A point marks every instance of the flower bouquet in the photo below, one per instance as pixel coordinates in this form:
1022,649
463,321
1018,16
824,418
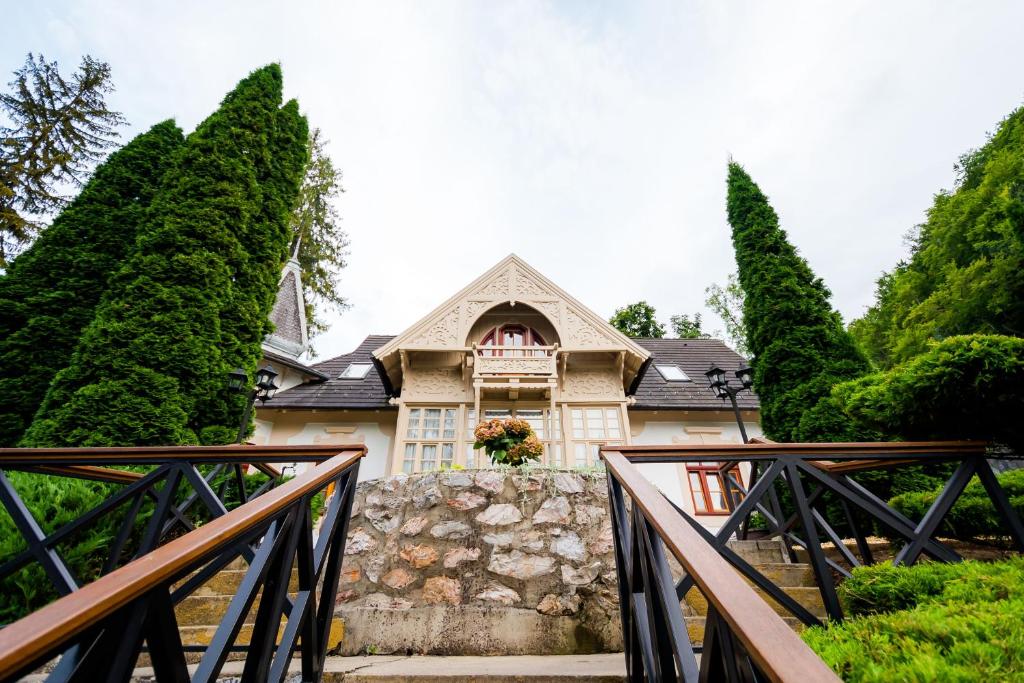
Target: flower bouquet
508,442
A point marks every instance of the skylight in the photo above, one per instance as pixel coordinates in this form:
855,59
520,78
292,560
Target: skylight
672,373
355,371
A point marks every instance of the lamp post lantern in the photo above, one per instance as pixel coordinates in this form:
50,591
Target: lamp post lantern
264,390
722,389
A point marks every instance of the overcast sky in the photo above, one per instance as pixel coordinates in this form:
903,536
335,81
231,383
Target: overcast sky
591,138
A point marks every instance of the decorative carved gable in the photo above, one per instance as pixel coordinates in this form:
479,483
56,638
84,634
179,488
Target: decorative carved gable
512,281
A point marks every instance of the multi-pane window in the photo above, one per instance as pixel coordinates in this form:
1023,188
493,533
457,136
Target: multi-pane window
538,419
706,487
430,437
592,428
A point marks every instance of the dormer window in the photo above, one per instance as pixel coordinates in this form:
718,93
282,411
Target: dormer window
508,339
673,373
355,371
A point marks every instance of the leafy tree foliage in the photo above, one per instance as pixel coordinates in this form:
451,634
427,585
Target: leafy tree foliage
727,303
966,269
638,320
58,128
50,292
685,327
192,300
317,237
963,387
799,345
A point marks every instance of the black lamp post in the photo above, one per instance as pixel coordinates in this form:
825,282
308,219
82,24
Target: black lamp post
264,390
720,385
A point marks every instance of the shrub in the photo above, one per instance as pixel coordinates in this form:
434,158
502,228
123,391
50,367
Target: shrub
961,388
934,643
86,551
973,515
885,588
929,622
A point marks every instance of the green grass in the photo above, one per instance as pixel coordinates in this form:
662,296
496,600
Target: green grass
931,622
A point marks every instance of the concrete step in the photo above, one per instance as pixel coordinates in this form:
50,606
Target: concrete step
806,596
202,635
602,668
227,581
759,551
695,627
787,574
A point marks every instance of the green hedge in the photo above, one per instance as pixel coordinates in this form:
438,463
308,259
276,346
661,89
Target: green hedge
86,551
973,515
967,387
930,622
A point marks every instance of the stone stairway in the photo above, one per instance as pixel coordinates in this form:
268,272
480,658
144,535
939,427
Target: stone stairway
768,557
199,614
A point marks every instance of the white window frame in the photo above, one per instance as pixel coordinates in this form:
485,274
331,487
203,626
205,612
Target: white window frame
665,369
590,432
364,367
420,437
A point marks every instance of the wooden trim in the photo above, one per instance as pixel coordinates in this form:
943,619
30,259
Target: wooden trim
771,643
144,455
91,473
864,451
58,622
703,471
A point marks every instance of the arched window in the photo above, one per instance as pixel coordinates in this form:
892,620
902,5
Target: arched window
509,339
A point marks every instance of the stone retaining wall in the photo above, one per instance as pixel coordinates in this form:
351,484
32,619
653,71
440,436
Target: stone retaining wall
481,562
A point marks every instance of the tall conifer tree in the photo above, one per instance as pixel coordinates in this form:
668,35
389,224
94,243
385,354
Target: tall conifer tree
966,269
50,292
799,346
192,300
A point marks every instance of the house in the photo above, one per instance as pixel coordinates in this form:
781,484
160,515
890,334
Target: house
511,343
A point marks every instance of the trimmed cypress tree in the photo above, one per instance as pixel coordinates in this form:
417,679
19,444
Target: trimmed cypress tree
799,346
50,292
257,269
151,367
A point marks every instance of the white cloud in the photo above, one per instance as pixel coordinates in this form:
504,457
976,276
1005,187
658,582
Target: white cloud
590,138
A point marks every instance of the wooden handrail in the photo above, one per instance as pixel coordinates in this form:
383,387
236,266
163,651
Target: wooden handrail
770,642
866,451
46,629
144,455
90,472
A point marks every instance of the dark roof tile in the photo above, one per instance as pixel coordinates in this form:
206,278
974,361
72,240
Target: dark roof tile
366,392
694,357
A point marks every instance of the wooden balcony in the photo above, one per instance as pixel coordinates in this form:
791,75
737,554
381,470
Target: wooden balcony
514,370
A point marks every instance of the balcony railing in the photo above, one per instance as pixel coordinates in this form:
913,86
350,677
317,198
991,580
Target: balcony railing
744,638
100,628
515,361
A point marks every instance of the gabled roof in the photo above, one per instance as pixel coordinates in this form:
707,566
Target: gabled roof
356,393
511,281
694,357
309,371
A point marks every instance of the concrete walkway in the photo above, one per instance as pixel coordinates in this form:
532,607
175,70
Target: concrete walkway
603,668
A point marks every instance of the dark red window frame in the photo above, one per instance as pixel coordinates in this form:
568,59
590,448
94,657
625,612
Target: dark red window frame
703,472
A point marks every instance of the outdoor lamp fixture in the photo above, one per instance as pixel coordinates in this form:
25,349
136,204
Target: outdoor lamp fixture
264,390
722,389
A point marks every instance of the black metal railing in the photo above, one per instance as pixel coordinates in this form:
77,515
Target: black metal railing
100,628
789,486
744,639
165,492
